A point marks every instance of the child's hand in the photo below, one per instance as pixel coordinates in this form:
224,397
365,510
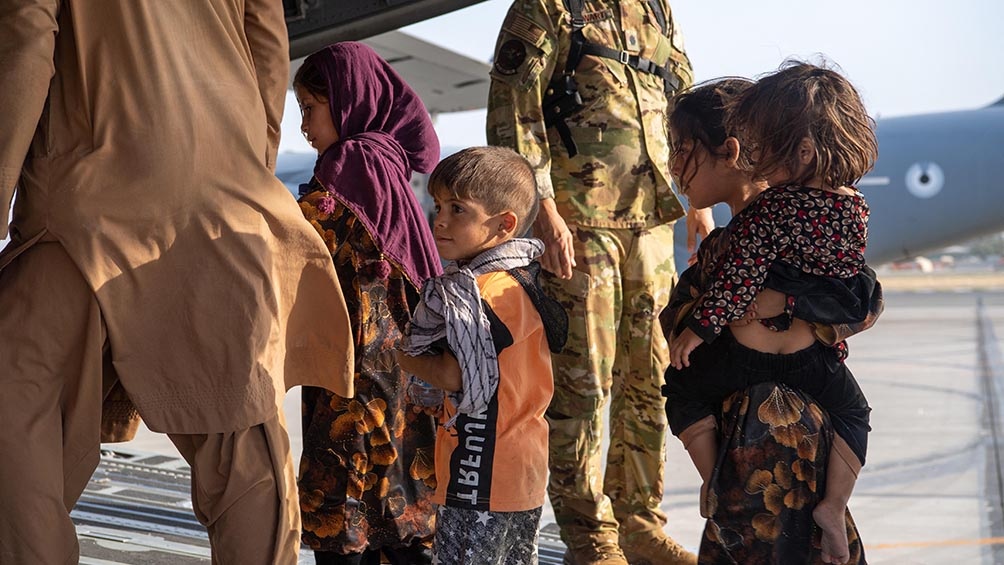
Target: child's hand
680,348
748,318
421,393
700,222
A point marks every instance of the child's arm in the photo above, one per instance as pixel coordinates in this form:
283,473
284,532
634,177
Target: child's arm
832,334
700,223
441,371
681,346
690,288
690,285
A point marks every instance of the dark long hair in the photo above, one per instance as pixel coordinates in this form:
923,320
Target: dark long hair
699,115
310,78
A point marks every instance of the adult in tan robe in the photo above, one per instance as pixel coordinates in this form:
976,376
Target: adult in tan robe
151,242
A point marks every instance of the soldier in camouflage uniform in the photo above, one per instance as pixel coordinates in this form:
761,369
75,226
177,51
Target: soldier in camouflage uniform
606,219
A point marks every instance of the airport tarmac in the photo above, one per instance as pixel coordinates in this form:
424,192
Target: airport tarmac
931,492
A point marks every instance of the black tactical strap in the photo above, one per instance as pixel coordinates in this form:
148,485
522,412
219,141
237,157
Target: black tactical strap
578,39
564,88
563,92
672,83
562,99
660,16
552,313
579,46
640,64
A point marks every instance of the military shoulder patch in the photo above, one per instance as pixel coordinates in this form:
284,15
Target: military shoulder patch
511,55
524,28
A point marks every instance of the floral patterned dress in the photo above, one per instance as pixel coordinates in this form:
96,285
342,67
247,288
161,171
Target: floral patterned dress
367,473
771,472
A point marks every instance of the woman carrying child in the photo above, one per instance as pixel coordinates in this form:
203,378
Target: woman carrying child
367,472
805,131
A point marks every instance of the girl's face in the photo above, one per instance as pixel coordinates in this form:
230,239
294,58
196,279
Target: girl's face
705,179
315,120
463,228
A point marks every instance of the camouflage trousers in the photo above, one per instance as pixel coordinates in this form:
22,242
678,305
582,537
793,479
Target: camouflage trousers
616,352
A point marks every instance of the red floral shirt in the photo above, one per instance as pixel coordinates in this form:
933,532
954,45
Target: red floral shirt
819,232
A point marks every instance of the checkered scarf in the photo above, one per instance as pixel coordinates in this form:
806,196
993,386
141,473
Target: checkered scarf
451,308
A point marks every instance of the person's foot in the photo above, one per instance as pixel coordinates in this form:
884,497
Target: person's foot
656,548
834,529
594,549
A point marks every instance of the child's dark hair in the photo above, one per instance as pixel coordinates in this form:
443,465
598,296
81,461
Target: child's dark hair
496,177
802,100
698,114
310,78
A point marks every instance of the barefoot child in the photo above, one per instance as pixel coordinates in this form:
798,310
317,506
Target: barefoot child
483,332
805,237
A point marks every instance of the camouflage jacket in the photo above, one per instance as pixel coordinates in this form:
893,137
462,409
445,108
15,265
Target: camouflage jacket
620,177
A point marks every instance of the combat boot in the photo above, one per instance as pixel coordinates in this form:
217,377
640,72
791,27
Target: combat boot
594,549
656,548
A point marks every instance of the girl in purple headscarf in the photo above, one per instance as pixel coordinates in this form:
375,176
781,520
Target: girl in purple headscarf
367,472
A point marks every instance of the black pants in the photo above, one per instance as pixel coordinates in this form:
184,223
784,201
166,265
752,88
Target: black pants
415,554
725,366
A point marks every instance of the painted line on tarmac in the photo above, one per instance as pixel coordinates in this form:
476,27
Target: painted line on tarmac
937,543
991,363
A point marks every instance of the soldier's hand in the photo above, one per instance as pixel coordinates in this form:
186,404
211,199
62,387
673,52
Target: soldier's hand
699,223
550,227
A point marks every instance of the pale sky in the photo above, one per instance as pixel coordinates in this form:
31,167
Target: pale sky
905,57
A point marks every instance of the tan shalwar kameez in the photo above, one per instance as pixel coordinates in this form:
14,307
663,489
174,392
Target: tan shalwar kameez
150,234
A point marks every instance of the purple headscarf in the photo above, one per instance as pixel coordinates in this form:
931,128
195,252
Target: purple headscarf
384,134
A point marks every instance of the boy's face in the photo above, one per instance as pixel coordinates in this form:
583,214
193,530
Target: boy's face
315,120
463,228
